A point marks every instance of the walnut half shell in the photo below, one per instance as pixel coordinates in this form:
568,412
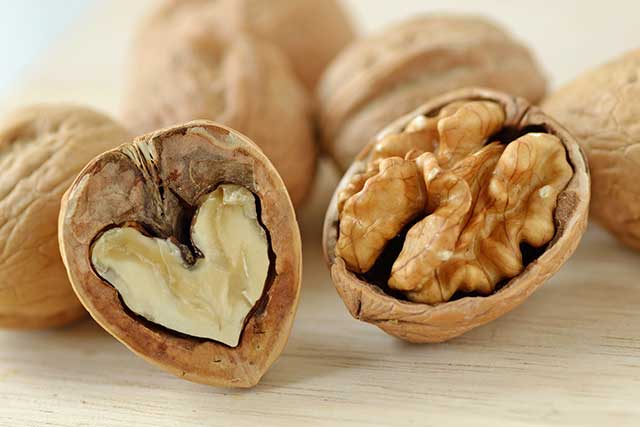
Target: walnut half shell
185,247
455,214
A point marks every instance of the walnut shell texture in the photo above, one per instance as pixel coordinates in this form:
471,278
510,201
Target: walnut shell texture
601,109
420,322
185,73
149,182
309,32
42,149
384,76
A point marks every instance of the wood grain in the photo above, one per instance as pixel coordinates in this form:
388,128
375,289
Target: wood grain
569,356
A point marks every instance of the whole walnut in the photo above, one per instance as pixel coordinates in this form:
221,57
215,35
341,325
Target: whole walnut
455,214
602,110
183,73
386,75
309,32
42,149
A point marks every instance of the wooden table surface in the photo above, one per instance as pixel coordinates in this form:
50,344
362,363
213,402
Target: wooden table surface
569,356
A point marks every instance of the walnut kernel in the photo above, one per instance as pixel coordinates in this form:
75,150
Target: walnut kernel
156,283
458,211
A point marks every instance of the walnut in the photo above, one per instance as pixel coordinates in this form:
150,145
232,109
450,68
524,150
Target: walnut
183,298
455,214
601,109
42,148
185,72
184,246
309,32
382,77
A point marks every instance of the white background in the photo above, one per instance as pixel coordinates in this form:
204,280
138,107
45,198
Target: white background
27,28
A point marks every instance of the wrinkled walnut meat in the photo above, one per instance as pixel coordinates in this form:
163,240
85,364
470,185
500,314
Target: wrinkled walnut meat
184,246
452,203
476,203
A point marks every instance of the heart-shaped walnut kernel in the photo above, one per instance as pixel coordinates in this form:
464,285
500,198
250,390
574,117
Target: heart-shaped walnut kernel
156,283
455,214
184,246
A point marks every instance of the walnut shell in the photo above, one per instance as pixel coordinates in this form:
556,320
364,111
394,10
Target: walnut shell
42,148
380,78
185,74
601,109
419,322
156,182
309,32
